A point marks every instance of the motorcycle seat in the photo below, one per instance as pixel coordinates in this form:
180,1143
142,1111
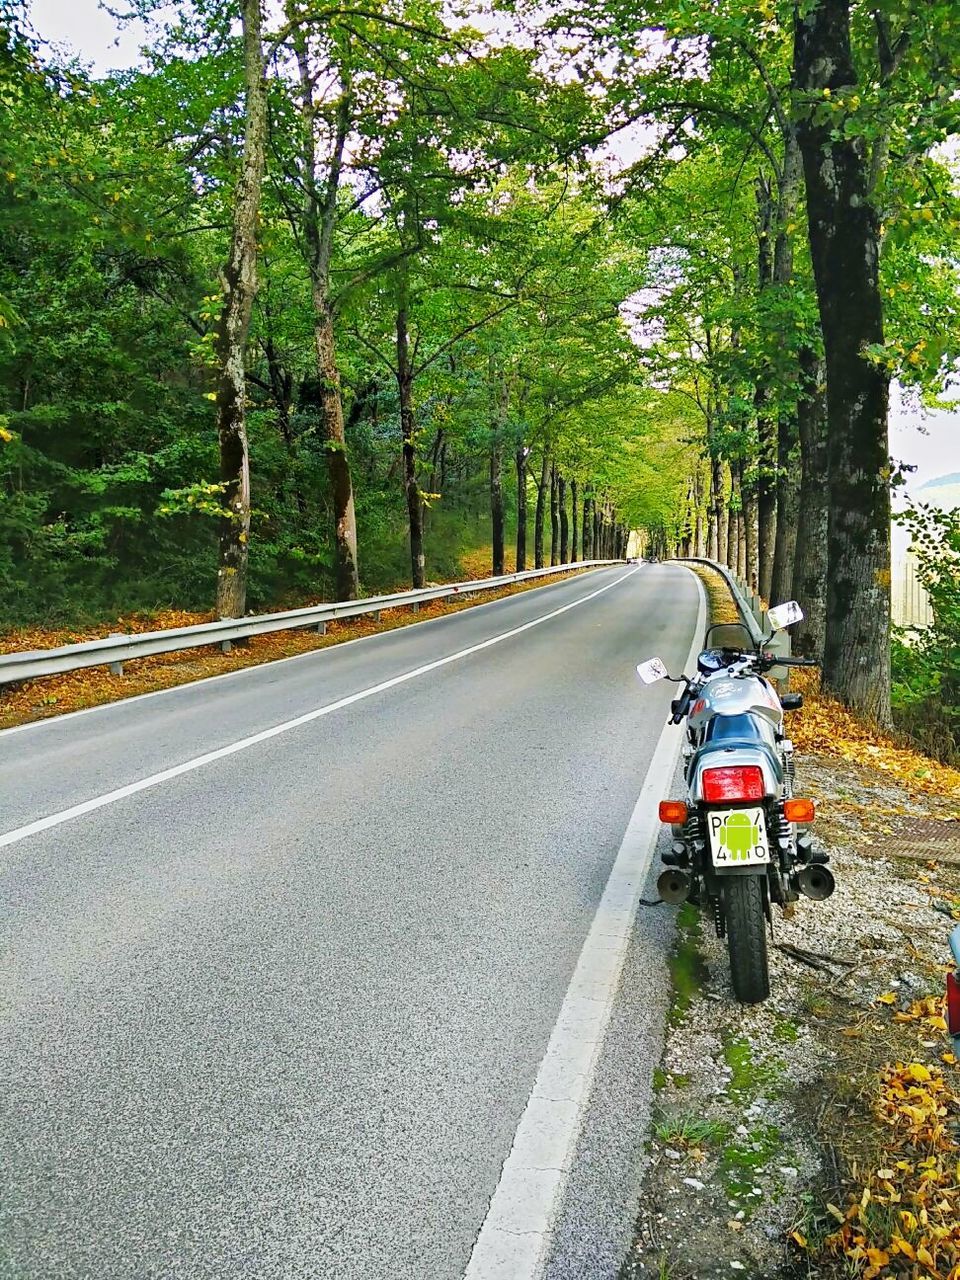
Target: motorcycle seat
740,731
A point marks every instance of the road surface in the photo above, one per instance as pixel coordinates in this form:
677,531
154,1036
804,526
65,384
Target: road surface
282,952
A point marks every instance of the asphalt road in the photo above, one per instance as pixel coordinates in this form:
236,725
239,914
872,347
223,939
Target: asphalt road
278,1015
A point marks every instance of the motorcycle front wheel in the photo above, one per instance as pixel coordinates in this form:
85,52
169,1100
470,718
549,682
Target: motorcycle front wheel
746,924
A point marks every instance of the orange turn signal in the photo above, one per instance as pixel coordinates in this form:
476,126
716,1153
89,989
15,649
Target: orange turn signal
799,810
673,811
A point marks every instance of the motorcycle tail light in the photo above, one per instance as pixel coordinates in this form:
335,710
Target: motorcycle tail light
673,812
799,810
953,1004
734,782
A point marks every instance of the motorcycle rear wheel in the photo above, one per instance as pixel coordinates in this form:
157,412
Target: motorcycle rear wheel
747,937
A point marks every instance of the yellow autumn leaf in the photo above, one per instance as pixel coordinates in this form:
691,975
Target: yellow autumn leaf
924,1256
888,997
799,1238
917,1071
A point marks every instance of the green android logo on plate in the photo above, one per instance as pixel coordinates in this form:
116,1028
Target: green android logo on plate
740,835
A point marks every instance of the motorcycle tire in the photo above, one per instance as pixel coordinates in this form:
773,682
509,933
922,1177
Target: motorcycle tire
747,938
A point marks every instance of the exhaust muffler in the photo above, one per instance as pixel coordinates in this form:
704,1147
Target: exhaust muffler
816,882
673,885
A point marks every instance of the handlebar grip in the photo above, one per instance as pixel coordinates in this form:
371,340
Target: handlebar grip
680,706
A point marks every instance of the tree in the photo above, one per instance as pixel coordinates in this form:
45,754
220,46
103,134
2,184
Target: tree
239,282
845,247
317,222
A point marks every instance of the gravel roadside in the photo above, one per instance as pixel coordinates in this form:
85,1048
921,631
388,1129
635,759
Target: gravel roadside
772,1122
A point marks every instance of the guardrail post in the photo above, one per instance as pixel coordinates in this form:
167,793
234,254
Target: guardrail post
415,607
375,615
226,646
116,668
321,628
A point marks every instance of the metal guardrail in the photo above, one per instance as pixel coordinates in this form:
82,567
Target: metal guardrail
116,649
751,610
749,606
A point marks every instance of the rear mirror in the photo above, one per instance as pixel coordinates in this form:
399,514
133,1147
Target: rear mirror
652,670
785,615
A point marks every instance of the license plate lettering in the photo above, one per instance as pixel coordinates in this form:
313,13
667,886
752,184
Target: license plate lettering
738,837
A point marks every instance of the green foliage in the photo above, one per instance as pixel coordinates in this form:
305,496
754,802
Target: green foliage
926,663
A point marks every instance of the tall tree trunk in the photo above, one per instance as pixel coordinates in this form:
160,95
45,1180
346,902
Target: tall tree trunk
319,217
239,280
739,552
751,535
408,433
338,461
766,424
700,534
711,533
586,530
713,527
720,502
844,246
810,572
597,544
554,517
521,462
575,527
564,521
496,505
788,505
731,557
686,537
542,492
788,436
717,509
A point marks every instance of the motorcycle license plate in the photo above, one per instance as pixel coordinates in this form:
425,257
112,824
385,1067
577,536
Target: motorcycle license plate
738,837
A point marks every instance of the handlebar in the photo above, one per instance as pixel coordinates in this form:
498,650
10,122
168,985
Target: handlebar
793,662
680,706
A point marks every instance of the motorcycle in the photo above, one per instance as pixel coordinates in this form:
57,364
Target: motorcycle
740,842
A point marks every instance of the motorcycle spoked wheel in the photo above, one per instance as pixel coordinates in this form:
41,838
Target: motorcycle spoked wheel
744,909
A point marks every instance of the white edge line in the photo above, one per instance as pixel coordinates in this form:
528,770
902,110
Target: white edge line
122,701
516,1235
243,744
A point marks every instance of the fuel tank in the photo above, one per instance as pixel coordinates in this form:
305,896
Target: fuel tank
726,696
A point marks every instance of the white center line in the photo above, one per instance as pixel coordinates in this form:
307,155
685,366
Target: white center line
243,744
514,1241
